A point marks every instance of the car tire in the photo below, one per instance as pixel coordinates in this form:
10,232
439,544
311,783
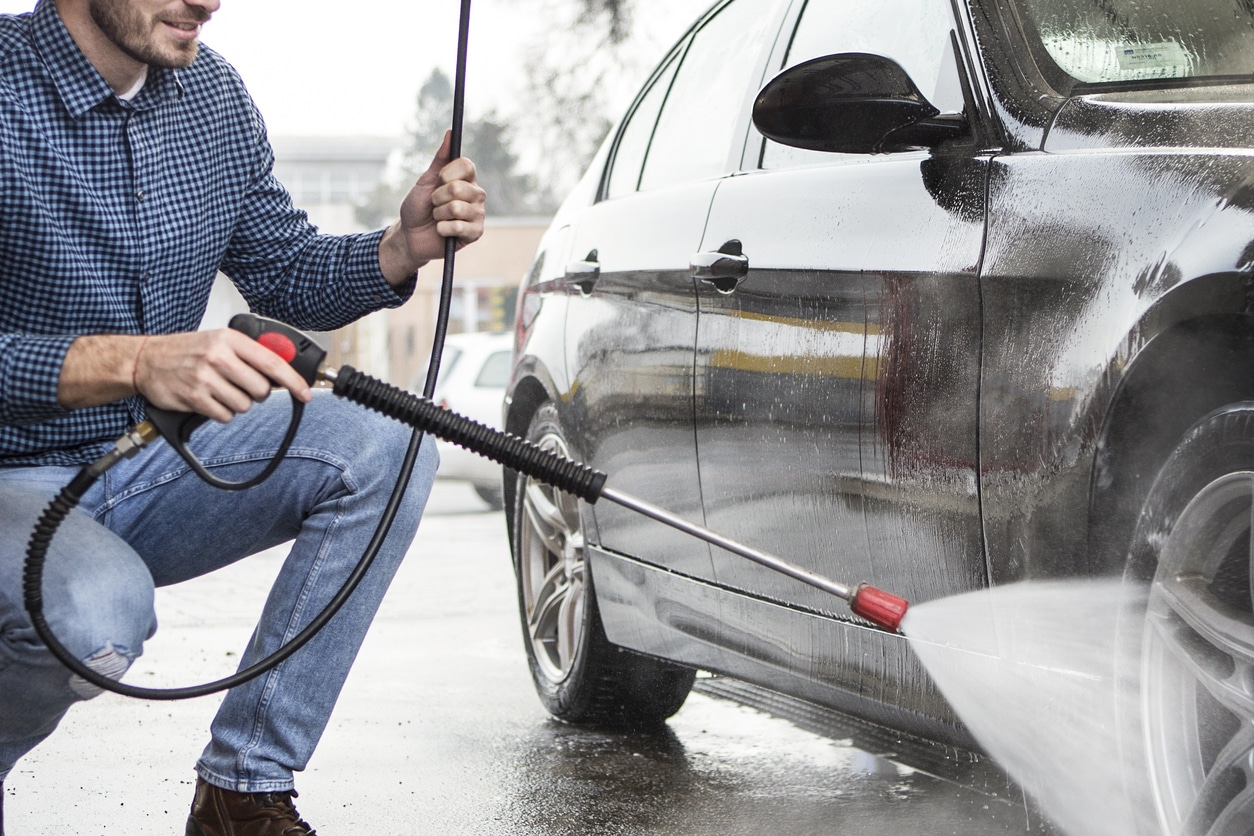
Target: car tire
579,675
1194,545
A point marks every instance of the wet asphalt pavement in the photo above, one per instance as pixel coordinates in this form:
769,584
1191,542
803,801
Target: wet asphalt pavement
439,732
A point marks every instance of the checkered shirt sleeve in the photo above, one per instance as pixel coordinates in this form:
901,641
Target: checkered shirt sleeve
115,217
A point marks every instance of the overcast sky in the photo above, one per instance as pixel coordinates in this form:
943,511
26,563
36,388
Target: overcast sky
355,66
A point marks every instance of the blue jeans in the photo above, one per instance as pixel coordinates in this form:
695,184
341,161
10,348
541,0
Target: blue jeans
151,522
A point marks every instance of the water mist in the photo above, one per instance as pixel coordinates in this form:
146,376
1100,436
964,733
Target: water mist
1037,672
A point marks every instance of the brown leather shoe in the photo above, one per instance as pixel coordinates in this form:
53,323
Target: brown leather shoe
219,812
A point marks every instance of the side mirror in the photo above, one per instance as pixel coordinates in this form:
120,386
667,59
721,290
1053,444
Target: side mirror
852,103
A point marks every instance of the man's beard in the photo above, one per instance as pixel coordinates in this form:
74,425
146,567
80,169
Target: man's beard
132,33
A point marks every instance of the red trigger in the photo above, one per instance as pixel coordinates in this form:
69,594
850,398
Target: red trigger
279,344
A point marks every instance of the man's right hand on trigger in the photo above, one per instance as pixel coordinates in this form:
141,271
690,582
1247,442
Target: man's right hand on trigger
214,373
218,373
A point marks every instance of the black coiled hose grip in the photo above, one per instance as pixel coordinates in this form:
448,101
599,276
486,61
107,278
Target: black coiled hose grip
37,551
505,448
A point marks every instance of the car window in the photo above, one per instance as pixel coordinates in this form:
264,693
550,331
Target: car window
495,371
694,132
914,33
633,140
449,358
1144,40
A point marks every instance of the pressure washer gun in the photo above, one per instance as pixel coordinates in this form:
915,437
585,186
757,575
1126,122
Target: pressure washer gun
297,348
875,605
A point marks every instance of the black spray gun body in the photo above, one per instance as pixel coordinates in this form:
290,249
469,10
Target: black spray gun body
297,348
307,357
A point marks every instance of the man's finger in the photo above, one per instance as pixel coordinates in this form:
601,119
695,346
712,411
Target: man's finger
273,367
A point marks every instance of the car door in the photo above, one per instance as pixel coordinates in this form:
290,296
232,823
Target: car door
631,329
837,377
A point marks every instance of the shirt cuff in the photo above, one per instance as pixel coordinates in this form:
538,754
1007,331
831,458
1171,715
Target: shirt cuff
365,277
30,372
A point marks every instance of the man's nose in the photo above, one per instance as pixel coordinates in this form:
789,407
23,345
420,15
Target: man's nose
210,6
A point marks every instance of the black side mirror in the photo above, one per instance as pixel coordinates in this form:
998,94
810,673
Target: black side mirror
852,103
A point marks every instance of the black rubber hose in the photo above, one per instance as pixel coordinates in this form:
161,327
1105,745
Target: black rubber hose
450,244
37,547
32,579
505,448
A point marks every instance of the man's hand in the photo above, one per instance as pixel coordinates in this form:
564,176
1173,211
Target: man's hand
218,374
445,202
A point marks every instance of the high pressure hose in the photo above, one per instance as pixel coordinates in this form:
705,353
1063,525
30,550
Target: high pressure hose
130,444
504,448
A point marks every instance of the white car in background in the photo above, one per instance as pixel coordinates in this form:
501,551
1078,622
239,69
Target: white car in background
473,372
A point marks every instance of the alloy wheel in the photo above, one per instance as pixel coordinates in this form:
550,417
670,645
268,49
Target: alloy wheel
1198,665
553,572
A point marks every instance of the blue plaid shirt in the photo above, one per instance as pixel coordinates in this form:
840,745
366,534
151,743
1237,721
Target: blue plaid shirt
115,217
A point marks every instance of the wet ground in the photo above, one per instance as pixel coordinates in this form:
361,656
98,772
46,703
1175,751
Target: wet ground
439,732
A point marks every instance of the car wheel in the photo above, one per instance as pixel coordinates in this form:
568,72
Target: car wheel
579,676
1195,543
493,496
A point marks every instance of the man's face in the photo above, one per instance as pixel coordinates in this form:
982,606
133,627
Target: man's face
163,33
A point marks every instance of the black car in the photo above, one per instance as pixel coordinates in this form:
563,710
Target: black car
934,294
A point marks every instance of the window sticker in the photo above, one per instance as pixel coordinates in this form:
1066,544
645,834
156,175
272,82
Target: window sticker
1166,59
1098,60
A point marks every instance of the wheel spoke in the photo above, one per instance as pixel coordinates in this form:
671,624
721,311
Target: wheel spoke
1202,618
569,623
1210,639
546,608
1236,816
546,518
1237,753
540,497
1225,799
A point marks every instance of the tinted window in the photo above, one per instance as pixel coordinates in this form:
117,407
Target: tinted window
633,141
1145,40
694,133
914,33
495,371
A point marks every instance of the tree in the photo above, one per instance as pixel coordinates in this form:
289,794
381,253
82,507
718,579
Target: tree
613,15
486,140
578,71
574,80
433,113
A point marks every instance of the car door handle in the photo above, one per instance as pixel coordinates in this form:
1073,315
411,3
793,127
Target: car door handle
584,274
725,268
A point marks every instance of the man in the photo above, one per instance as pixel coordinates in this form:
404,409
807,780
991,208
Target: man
134,166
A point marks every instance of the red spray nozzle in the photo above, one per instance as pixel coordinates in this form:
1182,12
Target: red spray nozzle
878,606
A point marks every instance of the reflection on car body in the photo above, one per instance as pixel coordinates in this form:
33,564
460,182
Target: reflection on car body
988,278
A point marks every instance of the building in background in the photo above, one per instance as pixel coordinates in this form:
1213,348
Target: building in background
328,177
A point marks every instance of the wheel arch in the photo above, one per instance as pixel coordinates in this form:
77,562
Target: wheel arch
1196,355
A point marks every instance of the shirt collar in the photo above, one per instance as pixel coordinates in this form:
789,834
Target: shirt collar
79,84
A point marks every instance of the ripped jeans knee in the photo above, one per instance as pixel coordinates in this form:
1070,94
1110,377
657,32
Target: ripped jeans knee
110,661
98,600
